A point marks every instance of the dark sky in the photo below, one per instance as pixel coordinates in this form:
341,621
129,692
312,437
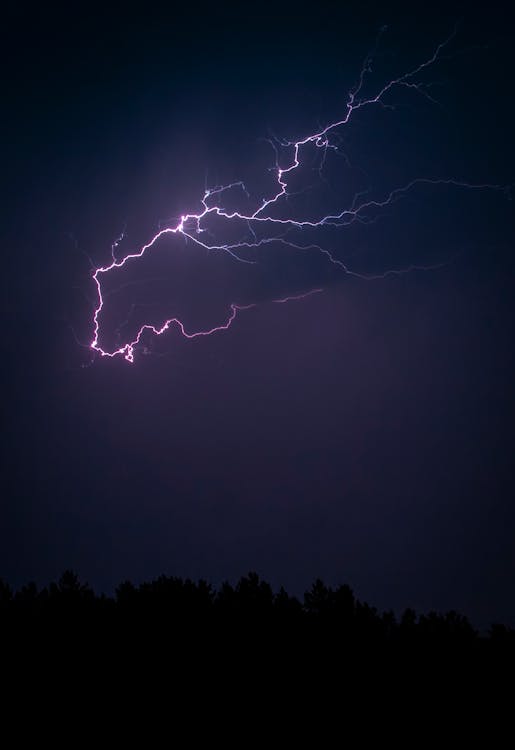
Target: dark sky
364,435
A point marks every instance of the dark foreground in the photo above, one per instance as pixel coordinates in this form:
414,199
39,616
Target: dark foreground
176,646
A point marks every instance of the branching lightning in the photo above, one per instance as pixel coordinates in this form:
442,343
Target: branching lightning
275,229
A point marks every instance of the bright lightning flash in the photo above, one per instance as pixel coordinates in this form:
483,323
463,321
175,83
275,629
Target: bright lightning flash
192,225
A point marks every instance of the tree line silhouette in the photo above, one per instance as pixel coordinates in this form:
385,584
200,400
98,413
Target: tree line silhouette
326,615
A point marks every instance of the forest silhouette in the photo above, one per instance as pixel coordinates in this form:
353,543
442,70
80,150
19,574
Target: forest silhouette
327,619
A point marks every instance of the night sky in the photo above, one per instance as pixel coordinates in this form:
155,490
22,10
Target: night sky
363,435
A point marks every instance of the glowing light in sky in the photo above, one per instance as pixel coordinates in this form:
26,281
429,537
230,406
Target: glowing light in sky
262,218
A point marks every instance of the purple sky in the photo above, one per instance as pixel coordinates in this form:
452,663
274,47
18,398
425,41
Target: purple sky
363,435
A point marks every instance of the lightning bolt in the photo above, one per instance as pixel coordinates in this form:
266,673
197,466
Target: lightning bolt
262,219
